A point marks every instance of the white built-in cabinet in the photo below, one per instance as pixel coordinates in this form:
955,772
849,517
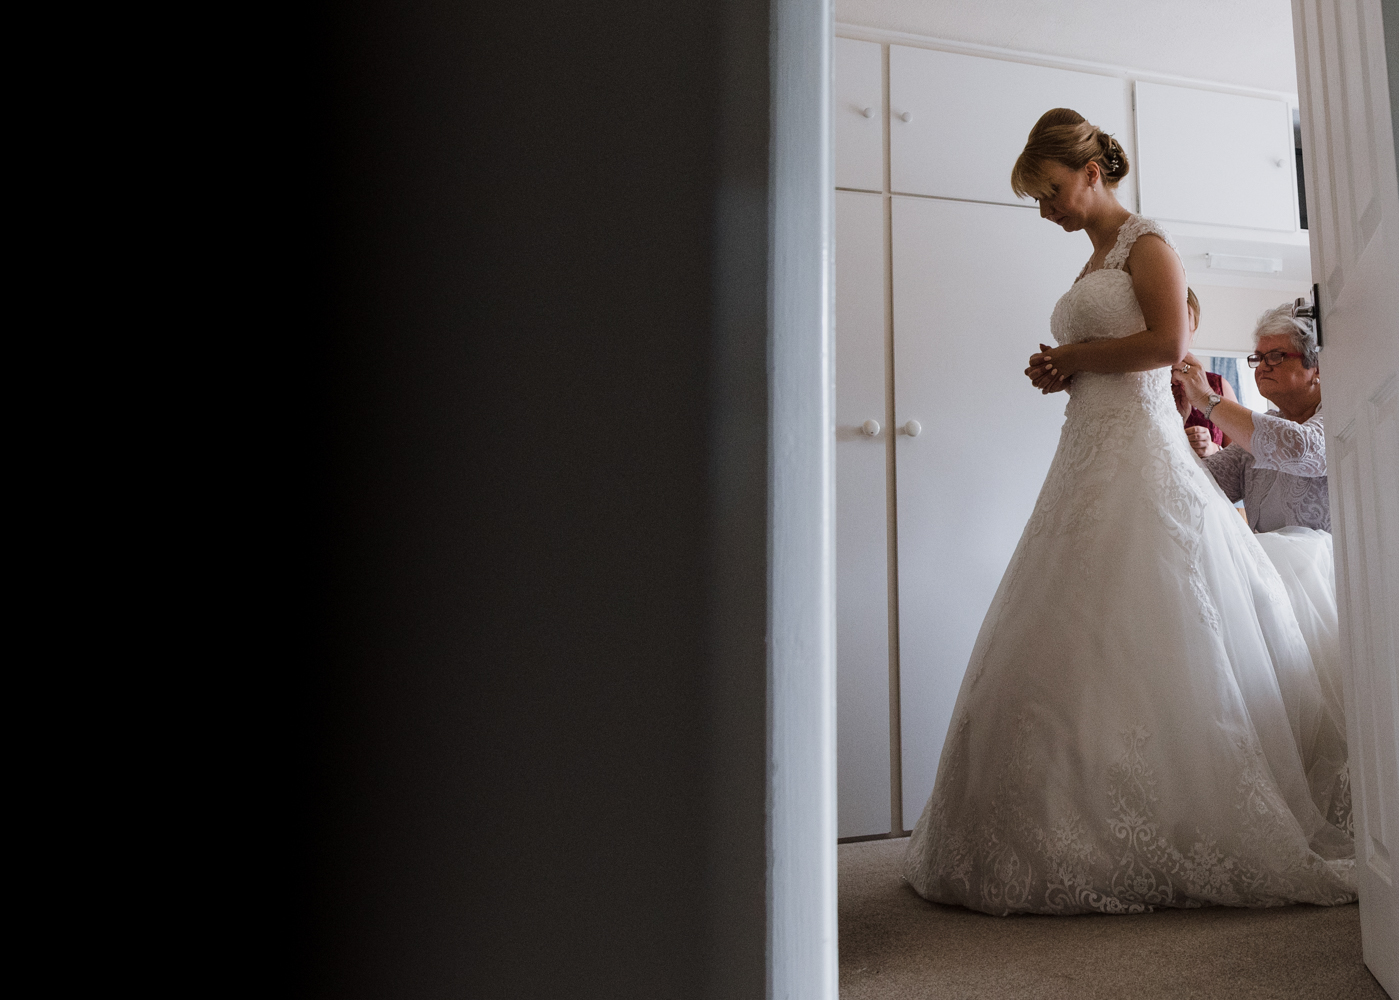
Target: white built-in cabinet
1221,159
857,114
973,289
944,285
862,517
958,122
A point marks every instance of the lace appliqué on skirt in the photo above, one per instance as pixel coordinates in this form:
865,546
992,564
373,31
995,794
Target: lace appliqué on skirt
1127,861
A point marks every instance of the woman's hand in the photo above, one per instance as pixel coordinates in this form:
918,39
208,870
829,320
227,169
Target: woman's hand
1200,440
1045,372
1190,376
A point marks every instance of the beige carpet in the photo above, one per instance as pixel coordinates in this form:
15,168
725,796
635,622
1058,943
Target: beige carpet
894,945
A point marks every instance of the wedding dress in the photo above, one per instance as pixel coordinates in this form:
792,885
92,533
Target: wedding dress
1141,723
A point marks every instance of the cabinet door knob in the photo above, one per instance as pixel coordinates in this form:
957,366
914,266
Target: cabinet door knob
913,428
906,116
1277,161
870,427
867,112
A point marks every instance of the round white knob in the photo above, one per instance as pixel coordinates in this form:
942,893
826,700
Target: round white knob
867,112
870,427
1277,161
913,428
906,116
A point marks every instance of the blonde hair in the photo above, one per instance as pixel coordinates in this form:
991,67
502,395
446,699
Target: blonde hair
1193,304
1065,136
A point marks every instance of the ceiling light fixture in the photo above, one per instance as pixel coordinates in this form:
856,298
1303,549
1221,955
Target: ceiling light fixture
1227,262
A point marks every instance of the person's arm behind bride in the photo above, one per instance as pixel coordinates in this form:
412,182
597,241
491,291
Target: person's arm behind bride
1204,435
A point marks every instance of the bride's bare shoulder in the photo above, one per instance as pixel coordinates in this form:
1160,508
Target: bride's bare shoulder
1151,250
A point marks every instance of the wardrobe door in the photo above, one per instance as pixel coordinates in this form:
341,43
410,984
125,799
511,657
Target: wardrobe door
974,286
862,513
1216,158
857,114
957,123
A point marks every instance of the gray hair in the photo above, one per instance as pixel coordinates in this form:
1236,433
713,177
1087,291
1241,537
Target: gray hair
1280,321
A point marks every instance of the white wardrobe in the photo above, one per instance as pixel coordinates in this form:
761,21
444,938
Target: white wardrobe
944,285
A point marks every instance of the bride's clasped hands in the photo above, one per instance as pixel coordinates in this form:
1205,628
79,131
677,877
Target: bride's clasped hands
1048,372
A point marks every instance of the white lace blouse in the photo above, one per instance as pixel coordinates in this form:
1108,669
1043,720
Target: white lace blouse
1284,481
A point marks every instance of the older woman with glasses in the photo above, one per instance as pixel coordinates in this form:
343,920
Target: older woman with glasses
1277,466
1276,462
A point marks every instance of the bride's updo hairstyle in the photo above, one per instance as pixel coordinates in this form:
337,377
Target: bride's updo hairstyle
1064,136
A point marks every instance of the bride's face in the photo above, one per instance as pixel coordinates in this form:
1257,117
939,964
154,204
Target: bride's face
1070,195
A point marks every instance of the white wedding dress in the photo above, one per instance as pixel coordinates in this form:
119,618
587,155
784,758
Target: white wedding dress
1141,724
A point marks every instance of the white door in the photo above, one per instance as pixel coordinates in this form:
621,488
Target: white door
862,517
1215,158
973,289
957,123
1353,211
857,113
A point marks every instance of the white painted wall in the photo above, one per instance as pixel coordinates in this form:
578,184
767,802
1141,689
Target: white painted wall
1242,42
1228,315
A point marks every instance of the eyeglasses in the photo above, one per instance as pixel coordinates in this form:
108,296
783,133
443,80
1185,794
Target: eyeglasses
1273,358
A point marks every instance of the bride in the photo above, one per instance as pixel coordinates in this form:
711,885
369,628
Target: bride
1140,724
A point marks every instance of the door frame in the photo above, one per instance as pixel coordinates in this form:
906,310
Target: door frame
802,945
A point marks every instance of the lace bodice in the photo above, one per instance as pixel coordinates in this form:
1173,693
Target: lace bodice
1102,304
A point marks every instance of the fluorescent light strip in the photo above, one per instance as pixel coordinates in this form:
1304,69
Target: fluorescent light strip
1226,262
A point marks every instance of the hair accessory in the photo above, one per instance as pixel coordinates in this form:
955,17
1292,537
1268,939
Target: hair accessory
1113,156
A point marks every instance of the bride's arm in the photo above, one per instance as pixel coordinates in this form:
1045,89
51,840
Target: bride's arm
1159,282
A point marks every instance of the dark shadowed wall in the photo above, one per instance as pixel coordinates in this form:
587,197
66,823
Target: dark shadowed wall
538,690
